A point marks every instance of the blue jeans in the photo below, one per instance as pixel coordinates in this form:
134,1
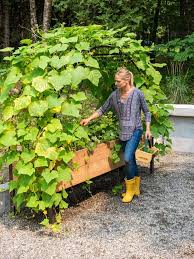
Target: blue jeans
129,147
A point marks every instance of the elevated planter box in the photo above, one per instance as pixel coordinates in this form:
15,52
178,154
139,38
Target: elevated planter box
183,121
92,164
4,198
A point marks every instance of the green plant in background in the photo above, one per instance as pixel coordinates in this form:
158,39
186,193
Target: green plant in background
178,89
178,83
42,99
87,186
117,189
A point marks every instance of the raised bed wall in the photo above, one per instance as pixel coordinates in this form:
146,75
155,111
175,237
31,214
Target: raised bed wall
183,121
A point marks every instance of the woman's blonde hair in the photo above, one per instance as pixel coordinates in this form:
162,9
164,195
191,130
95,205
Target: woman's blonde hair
127,75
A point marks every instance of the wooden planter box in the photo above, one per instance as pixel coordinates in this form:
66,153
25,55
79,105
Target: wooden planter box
92,164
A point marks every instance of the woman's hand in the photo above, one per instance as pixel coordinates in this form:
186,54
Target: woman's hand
148,134
84,122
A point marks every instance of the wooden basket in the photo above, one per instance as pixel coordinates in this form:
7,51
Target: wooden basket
145,157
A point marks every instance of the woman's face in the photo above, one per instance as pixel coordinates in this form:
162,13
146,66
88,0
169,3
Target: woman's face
120,82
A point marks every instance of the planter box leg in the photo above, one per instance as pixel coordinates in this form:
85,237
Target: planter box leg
12,194
152,166
51,215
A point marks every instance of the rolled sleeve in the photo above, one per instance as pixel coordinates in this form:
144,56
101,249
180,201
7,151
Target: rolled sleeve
144,107
106,106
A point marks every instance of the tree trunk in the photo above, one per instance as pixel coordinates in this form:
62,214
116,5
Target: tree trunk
33,19
156,18
6,16
47,14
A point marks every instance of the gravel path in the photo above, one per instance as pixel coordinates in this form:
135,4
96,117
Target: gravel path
158,224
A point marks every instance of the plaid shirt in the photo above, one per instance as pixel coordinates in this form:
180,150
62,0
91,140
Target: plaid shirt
128,112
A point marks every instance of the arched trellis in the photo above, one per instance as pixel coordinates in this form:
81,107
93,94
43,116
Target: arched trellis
41,102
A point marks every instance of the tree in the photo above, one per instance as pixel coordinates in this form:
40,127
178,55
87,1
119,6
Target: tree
47,14
33,19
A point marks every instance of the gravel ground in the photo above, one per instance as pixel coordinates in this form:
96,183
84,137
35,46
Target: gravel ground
158,224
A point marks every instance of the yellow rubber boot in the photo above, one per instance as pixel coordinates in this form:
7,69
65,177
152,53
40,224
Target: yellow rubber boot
130,188
137,186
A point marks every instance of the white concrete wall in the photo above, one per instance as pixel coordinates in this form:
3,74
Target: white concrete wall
183,121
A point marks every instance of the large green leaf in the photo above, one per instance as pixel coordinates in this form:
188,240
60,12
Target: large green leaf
40,84
40,162
94,76
27,156
70,109
64,173
54,101
66,156
8,112
38,108
54,125
13,76
79,74
8,138
43,62
32,202
32,133
26,169
80,96
91,62
83,45
22,102
49,175
11,157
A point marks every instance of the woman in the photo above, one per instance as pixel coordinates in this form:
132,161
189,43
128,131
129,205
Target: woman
127,101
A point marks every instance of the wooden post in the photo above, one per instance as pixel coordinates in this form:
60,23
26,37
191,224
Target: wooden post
51,215
12,194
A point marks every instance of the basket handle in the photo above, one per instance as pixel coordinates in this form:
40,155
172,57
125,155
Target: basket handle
148,144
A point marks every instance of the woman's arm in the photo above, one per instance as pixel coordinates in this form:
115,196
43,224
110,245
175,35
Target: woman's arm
104,108
147,115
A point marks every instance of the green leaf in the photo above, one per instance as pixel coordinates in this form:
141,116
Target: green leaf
70,109
66,155
25,169
49,176
63,205
43,62
49,188
68,40
8,138
22,189
19,199
64,174
94,77
155,75
54,101
26,41
8,112
43,149
8,49
81,133
38,108
79,74
22,102
57,80
91,62
13,185
40,162
11,157
27,155
45,222
40,84
32,133
80,96
82,46
32,202
54,125
13,76
64,194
